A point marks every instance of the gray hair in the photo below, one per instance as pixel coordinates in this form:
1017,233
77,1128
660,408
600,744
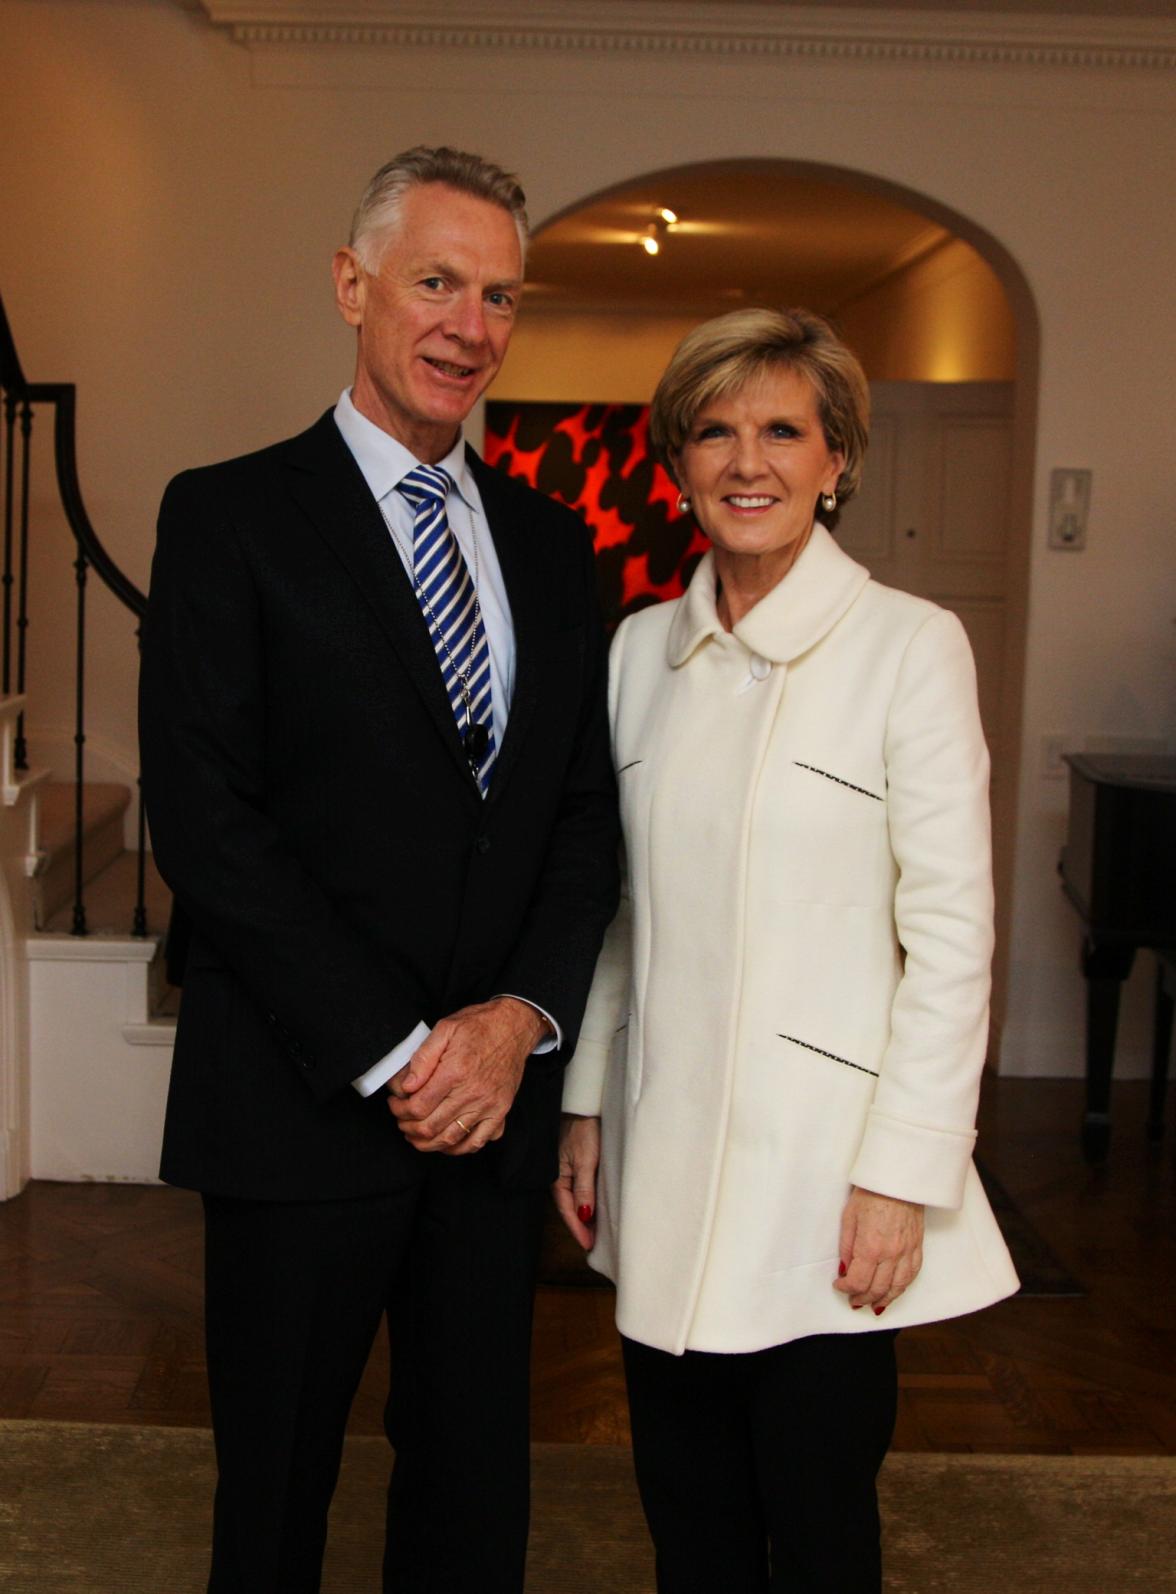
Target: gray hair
379,210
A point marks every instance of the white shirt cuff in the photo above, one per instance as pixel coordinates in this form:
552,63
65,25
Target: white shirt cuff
549,1043
392,1062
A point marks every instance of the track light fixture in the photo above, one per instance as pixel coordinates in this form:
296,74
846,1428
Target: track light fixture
651,237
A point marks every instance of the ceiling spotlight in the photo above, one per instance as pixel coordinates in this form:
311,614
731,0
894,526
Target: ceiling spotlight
651,239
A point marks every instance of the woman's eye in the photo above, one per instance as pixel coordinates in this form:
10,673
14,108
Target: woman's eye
783,429
705,432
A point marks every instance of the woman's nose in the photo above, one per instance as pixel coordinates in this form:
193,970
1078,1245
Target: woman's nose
747,459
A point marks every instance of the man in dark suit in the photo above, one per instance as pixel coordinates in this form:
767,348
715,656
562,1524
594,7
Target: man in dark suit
375,757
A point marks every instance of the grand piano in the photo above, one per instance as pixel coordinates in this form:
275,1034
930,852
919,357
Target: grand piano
1118,868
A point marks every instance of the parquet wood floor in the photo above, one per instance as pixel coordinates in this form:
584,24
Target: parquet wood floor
100,1299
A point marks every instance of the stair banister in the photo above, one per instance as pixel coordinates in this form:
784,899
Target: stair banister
21,397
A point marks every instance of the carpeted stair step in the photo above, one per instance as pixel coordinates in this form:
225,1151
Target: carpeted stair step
103,807
109,898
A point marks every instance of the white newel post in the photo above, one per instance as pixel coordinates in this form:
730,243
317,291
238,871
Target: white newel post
18,819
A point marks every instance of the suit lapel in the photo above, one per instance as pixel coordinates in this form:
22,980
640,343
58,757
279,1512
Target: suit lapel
524,590
329,487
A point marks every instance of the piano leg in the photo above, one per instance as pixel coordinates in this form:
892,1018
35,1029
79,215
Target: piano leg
1105,968
1161,1043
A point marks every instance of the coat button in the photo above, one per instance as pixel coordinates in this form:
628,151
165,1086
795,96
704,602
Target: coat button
760,668
483,843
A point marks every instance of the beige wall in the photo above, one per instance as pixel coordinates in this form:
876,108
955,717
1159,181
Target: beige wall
171,202
944,318
566,357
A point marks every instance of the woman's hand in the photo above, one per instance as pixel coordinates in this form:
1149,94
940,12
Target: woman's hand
881,1249
575,1189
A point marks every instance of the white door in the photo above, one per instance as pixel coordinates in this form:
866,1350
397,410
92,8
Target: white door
933,512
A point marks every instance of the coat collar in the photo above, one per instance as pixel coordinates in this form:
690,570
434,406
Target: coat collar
789,620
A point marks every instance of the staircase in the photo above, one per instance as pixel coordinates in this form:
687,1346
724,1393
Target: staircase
87,1020
109,867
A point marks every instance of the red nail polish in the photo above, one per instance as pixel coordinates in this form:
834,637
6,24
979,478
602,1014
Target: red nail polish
584,1214
859,1305
842,1270
878,1310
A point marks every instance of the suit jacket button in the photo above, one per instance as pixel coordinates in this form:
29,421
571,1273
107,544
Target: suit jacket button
483,843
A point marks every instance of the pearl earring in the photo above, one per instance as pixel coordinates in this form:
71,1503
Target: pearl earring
828,502
683,504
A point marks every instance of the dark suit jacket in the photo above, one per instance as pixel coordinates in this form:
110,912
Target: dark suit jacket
311,809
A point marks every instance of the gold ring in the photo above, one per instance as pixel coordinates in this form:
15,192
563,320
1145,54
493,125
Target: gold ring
461,1126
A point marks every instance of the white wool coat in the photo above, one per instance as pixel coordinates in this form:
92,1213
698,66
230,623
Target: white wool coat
794,997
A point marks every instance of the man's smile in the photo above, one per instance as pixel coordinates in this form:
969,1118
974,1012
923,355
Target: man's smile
447,367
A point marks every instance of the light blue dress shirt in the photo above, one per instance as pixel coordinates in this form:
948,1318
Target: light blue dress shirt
384,462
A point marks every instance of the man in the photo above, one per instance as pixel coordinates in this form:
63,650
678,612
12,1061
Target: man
375,755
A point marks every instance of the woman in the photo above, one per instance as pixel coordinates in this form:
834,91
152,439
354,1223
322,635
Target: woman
780,1063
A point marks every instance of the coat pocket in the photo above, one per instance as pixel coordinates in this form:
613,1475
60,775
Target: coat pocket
833,1057
825,835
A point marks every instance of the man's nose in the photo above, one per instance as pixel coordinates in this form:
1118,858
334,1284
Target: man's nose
468,320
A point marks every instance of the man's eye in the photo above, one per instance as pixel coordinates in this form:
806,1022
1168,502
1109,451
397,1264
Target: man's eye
433,282
501,301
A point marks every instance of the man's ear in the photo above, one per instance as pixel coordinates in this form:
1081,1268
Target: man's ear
350,286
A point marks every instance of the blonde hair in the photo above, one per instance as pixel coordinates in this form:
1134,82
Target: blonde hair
723,356
378,213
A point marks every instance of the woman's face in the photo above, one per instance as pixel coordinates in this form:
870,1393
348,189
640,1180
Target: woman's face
753,467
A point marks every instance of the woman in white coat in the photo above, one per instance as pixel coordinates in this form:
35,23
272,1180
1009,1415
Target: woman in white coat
769,1116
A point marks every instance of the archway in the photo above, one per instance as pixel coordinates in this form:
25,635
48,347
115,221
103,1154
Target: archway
590,336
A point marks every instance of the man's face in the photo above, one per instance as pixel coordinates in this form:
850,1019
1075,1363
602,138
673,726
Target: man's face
434,320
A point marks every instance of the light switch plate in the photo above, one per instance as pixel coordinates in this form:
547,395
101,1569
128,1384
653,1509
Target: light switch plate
1069,508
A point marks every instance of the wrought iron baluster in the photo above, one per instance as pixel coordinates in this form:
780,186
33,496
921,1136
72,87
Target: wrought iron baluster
20,746
139,925
81,564
6,577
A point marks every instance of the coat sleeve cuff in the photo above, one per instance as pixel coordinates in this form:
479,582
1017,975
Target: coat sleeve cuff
583,1091
913,1162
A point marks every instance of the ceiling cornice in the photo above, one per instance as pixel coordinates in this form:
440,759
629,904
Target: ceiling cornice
664,28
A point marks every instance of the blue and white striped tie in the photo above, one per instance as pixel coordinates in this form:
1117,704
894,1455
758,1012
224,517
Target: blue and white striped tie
448,602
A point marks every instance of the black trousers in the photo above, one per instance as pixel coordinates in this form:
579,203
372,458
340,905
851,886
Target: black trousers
294,1296
757,1472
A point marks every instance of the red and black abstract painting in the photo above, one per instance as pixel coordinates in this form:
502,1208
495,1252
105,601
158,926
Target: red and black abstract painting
595,458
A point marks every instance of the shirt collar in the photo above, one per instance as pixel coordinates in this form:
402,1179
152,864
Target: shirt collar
384,462
787,621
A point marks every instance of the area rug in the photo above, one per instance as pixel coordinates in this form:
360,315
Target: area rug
87,1509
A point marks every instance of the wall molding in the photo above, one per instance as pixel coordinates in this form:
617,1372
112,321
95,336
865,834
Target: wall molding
665,28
